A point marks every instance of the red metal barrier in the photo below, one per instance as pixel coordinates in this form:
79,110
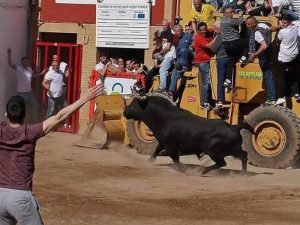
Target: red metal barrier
42,57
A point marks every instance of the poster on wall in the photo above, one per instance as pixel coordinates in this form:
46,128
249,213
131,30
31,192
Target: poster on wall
123,24
86,1
76,1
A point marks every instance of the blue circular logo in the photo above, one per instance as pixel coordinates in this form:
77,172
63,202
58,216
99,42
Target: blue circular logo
117,87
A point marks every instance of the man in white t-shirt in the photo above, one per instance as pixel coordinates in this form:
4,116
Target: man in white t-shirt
167,53
100,67
64,68
288,57
24,78
53,82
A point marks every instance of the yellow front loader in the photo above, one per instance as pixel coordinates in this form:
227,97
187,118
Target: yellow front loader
275,143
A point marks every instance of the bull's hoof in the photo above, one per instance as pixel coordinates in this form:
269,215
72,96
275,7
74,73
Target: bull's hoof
244,173
204,171
151,159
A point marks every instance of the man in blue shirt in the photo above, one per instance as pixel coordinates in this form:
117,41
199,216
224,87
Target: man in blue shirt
182,42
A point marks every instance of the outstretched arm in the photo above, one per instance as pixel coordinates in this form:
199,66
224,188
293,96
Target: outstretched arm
63,114
9,60
40,73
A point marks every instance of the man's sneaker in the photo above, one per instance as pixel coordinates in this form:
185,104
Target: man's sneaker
297,97
170,94
160,90
206,106
219,105
227,83
280,101
269,102
243,59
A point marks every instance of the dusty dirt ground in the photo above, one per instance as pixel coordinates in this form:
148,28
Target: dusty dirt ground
118,186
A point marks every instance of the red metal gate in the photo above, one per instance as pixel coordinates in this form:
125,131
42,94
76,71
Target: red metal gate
70,54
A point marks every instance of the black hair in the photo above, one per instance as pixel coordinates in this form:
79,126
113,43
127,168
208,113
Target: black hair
24,57
201,24
136,61
228,7
286,17
15,109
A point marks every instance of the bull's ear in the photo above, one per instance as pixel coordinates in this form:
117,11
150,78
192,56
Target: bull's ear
143,102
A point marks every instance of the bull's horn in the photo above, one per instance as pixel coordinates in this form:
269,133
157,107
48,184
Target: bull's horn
136,95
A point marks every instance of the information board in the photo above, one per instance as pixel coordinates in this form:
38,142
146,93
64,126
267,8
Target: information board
76,1
123,24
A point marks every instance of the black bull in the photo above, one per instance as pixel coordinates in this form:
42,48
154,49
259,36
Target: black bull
178,131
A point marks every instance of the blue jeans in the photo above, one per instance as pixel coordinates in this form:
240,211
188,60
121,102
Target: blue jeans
264,64
54,104
290,12
175,74
183,56
224,71
204,69
181,64
32,107
163,71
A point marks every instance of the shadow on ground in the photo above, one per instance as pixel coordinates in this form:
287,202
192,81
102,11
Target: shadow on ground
192,169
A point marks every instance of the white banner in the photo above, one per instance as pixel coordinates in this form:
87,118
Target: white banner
76,1
118,85
123,24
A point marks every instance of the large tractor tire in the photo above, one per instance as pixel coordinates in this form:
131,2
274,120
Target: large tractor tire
141,137
276,141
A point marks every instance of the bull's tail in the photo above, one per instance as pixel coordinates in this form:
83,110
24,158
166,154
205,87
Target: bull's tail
246,126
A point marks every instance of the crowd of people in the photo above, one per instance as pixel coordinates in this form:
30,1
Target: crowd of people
54,81
176,50
231,40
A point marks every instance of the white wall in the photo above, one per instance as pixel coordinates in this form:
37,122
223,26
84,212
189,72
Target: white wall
13,16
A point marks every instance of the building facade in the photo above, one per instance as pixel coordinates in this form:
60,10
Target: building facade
74,22
14,14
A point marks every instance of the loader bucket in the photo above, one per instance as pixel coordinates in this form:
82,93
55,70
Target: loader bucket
95,134
106,122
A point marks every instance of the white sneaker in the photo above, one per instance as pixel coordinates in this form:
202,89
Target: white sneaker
280,101
227,83
243,59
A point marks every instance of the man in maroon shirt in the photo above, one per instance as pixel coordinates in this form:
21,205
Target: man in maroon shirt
203,41
17,151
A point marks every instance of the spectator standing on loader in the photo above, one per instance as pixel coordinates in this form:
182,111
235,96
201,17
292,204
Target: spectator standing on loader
203,41
156,63
260,47
202,13
233,43
225,64
288,59
167,53
182,42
